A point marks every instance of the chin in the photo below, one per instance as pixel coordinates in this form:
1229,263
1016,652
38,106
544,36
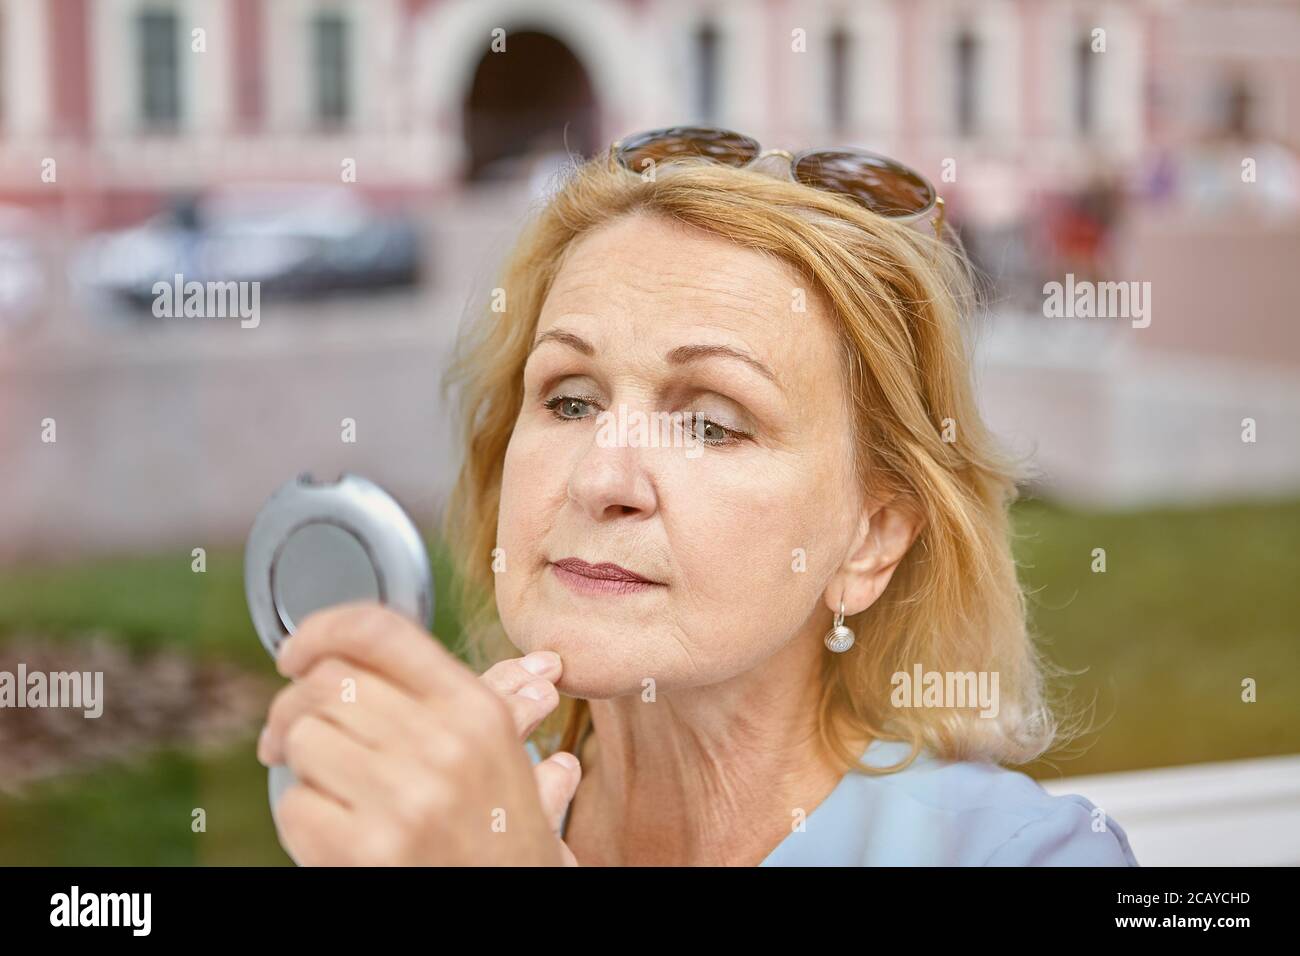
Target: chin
600,663
594,674
589,687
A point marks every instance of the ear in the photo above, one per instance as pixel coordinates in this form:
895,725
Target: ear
885,533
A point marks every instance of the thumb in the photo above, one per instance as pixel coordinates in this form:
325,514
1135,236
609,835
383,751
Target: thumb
557,781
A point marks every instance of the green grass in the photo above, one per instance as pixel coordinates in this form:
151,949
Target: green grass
143,814
140,813
1192,602
158,601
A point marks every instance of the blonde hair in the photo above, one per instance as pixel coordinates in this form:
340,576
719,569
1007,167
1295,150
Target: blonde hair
900,298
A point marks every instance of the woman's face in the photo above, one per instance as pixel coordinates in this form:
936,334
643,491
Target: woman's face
740,516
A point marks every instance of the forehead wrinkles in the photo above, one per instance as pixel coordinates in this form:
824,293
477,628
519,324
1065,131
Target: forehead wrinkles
659,285
612,281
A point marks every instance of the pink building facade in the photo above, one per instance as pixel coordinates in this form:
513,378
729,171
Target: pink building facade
134,98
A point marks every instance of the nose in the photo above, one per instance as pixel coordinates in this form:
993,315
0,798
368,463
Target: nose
611,481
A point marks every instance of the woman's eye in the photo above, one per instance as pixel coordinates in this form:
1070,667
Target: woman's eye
710,432
561,404
569,408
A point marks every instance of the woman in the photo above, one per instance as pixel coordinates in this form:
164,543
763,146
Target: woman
727,486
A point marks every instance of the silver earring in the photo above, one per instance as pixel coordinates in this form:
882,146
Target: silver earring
839,638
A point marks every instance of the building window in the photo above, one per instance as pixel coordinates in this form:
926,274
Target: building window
158,35
331,68
966,54
706,71
839,79
1085,92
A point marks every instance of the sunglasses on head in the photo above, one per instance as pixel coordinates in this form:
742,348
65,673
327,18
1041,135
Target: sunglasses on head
882,185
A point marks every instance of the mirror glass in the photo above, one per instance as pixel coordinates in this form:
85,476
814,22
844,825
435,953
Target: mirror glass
318,565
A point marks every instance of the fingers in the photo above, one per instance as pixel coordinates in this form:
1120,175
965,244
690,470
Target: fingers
331,761
557,781
507,677
529,707
342,693
527,686
313,828
379,639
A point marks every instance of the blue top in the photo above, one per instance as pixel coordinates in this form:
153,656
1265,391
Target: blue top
946,813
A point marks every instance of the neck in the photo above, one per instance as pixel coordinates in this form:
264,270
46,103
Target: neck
705,775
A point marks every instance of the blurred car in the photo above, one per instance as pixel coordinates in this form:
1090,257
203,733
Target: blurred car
296,240
22,273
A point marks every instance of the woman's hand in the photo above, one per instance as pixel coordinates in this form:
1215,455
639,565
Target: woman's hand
527,687
403,755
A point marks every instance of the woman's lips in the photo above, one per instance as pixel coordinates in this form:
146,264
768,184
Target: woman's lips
604,578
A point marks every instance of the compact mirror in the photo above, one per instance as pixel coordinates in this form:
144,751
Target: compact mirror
316,544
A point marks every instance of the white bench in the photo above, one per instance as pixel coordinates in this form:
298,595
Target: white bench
1237,813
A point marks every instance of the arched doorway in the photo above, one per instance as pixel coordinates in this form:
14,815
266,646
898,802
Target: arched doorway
533,97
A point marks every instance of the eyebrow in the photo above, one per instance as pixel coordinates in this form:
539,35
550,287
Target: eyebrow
682,355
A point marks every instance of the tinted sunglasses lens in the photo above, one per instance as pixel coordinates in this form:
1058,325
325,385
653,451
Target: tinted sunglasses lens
686,142
882,185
